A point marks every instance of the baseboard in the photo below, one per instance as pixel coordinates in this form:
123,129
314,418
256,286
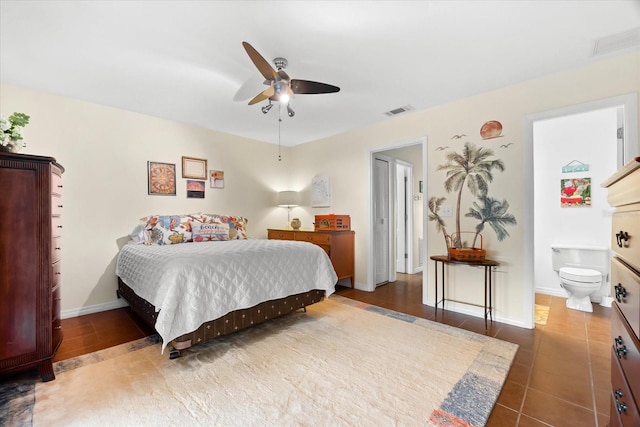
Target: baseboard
75,312
551,291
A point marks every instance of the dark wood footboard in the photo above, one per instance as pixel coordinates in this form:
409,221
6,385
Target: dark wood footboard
229,323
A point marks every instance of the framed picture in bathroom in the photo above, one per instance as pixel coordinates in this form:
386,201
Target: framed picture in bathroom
575,192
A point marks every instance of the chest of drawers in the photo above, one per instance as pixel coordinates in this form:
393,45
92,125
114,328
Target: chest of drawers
339,245
624,193
30,261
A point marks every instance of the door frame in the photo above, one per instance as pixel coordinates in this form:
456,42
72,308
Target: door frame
422,141
630,150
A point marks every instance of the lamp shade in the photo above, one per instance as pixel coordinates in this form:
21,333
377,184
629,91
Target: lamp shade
288,198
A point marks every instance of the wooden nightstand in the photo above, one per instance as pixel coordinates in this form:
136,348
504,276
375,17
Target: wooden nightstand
339,245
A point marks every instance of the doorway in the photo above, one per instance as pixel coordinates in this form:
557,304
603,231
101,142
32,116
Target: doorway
624,149
397,220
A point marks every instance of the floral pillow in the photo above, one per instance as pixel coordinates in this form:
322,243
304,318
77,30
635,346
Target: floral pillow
163,230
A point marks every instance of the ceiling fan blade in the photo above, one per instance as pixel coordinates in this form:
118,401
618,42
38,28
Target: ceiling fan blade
309,87
261,64
266,94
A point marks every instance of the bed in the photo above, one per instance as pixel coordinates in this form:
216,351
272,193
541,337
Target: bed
191,293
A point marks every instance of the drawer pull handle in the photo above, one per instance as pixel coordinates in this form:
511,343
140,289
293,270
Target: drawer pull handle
57,272
618,393
622,235
57,249
60,206
621,292
621,349
59,226
621,406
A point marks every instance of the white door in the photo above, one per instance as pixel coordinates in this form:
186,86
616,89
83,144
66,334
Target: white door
381,193
404,217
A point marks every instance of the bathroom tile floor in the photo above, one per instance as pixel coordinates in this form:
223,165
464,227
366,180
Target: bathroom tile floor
560,376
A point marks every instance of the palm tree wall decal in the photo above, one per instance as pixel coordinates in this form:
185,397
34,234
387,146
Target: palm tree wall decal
434,208
494,213
472,167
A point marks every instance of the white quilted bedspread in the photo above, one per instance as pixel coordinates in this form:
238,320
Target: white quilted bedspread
192,283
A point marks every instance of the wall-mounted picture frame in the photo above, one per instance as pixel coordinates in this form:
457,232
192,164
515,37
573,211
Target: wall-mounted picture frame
161,178
195,189
216,179
194,168
321,191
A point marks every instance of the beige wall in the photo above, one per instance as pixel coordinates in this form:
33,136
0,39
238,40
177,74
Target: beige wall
350,171
105,151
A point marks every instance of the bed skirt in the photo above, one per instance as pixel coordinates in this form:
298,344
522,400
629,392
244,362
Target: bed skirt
229,323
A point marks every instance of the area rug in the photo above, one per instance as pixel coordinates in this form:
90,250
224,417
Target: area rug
340,363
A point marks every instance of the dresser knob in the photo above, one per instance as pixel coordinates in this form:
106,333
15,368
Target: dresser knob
622,235
621,292
621,349
621,406
618,393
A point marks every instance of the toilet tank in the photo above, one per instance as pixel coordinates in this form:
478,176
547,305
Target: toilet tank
592,257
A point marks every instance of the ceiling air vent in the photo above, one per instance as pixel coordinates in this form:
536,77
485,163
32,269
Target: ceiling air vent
620,41
400,110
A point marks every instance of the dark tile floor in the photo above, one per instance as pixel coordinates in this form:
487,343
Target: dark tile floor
560,376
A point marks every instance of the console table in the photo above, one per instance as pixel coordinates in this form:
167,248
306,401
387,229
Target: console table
488,274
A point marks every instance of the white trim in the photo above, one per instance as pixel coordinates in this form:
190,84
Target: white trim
76,312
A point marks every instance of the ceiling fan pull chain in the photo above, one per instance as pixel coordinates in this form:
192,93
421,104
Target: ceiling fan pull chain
279,122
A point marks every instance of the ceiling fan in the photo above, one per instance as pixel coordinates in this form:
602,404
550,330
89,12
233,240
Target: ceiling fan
281,86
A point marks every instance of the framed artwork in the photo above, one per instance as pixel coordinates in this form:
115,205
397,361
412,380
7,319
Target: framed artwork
195,189
194,168
161,178
216,179
320,192
575,192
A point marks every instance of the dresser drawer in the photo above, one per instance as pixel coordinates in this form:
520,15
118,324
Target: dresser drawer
623,405
57,274
56,184
55,303
626,350
56,226
625,288
280,235
55,249
314,237
56,205
625,238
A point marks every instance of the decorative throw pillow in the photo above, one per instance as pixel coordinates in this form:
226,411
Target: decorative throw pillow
210,231
237,224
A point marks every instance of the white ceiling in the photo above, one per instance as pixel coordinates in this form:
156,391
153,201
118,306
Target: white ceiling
184,60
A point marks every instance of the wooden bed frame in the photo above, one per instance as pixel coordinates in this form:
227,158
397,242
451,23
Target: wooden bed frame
227,324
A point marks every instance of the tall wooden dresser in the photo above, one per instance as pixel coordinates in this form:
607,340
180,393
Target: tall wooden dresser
339,245
30,229
624,194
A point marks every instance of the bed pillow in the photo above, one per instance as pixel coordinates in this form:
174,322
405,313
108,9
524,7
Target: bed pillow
163,230
237,224
209,231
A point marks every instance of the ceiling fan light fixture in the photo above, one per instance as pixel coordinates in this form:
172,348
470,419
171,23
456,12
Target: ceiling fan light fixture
266,108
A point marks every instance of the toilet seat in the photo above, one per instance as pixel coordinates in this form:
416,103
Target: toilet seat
580,275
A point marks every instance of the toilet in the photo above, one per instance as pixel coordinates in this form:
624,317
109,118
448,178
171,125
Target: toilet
583,272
